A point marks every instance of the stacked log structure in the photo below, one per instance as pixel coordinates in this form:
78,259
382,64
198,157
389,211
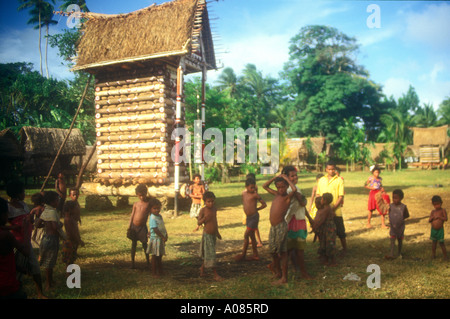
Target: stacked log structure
135,116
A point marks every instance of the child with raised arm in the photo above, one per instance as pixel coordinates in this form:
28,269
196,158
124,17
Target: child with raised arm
72,212
250,199
158,237
398,212
137,229
325,229
196,191
296,218
437,218
208,218
279,227
49,247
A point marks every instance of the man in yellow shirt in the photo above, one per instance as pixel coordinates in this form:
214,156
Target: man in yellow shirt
332,183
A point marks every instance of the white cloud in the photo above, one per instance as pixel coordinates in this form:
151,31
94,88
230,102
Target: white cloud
431,26
22,46
396,87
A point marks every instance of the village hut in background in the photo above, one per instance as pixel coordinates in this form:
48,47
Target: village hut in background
40,146
10,154
304,152
430,145
382,154
139,60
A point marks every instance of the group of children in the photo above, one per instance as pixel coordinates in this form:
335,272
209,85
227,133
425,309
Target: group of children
21,228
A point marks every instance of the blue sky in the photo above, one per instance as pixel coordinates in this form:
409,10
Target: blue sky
411,47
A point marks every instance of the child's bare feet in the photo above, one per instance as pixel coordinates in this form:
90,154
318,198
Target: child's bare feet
239,257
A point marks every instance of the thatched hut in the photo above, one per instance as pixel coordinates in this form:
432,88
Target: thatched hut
302,150
430,144
40,146
139,60
10,154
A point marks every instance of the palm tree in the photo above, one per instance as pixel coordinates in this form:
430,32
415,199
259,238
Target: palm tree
227,80
80,3
47,21
426,116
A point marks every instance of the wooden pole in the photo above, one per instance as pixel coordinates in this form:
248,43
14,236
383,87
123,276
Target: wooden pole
202,167
177,138
68,134
83,167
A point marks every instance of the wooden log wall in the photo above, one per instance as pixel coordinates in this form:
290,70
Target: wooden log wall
135,117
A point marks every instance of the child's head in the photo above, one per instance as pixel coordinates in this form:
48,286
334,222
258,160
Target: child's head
60,175
319,176
155,206
331,168
436,201
250,185
209,198
74,193
250,175
197,178
318,202
397,196
375,171
327,198
51,198
291,172
338,171
3,211
37,199
141,191
282,185
15,190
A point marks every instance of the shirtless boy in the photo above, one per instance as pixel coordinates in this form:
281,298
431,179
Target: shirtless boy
208,218
196,192
137,229
250,199
279,227
437,218
71,219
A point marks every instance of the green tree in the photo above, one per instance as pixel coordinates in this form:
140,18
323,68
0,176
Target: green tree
326,85
352,145
425,116
444,112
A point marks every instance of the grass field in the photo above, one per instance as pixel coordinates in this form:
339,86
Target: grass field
105,260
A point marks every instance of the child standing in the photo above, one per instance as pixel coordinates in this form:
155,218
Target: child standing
49,247
437,218
279,227
196,192
250,199
71,219
398,212
325,229
376,197
22,228
208,218
137,229
35,213
158,237
296,219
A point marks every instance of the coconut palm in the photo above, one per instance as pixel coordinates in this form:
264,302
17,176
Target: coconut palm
426,116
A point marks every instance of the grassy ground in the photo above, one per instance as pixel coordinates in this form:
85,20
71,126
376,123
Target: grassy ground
105,260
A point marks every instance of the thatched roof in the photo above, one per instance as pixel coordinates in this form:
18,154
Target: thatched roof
377,148
47,141
296,145
431,136
171,29
9,146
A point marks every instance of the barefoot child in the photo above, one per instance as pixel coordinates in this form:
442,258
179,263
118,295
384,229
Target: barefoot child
72,217
49,247
378,200
137,230
158,237
250,199
279,227
296,220
325,229
437,218
398,212
196,192
208,218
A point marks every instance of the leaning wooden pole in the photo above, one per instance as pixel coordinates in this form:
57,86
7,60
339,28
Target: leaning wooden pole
83,167
202,167
68,134
177,138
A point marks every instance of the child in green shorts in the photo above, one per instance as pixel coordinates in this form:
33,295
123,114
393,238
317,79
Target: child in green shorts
437,218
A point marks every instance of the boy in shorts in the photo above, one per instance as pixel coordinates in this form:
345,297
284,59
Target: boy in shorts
279,227
437,218
250,199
